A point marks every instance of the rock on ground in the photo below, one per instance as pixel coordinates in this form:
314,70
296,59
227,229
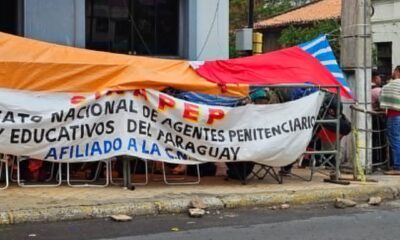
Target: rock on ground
374,201
285,206
196,212
344,203
121,218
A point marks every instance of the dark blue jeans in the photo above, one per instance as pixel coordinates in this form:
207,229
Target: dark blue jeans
393,127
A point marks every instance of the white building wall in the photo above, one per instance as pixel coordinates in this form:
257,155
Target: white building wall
386,26
57,21
208,29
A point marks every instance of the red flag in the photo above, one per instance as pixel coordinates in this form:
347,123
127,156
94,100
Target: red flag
286,66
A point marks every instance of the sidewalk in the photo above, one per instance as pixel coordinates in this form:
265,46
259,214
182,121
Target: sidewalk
20,205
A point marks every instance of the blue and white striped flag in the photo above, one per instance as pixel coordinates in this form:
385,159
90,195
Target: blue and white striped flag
321,50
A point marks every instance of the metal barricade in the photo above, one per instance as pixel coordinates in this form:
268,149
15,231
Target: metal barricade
90,182
135,167
379,144
169,181
176,179
4,162
326,156
321,160
22,183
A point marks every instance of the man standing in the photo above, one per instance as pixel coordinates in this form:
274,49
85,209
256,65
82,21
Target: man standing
378,122
390,100
376,85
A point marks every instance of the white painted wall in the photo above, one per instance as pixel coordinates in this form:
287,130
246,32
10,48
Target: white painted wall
56,21
208,29
386,26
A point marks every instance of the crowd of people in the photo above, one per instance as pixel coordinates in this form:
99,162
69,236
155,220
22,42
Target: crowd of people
386,97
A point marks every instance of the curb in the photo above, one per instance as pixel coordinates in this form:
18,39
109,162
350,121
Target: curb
180,204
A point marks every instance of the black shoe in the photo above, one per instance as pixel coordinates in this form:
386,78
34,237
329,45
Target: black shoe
285,172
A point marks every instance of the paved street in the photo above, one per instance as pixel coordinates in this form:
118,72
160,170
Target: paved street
301,223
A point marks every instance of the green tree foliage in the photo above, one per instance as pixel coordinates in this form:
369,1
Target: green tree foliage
292,35
270,8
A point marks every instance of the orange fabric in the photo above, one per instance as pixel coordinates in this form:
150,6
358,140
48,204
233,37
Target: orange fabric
39,66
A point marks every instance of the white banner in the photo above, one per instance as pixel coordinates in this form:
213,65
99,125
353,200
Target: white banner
152,125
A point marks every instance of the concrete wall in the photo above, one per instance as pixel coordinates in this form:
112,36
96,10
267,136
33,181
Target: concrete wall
386,26
208,29
57,21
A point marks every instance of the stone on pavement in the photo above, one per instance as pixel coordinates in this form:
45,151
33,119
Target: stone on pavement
374,201
196,212
121,218
344,203
285,206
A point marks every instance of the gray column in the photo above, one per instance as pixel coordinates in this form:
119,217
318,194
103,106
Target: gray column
57,21
356,58
208,30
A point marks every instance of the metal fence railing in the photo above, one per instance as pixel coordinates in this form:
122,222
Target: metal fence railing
377,150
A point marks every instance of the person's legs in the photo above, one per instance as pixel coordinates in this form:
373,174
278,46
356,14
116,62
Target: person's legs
286,170
393,127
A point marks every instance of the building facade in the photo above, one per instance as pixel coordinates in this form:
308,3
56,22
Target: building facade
188,29
385,23
385,26
302,16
